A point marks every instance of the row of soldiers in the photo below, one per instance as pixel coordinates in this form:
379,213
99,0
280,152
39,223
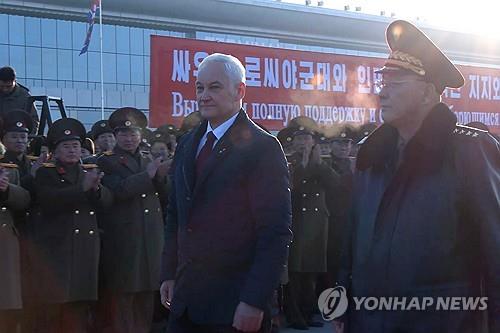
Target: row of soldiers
75,230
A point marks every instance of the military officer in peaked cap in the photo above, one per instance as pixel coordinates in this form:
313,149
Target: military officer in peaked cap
66,241
14,200
133,227
313,183
103,136
426,210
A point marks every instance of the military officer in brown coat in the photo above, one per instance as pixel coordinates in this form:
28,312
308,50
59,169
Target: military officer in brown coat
313,186
13,199
133,227
66,238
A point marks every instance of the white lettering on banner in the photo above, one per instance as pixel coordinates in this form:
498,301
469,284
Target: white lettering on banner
182,107
364,84
306,77
289,74
323,81
181,69
373,115
252,66
285,112
487,118
453,93
496,89
198,58
340,78
474,86
486,90
271,73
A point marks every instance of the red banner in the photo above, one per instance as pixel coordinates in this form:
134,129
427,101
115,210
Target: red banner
283,84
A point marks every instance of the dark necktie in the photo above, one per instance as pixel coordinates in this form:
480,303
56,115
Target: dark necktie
205,153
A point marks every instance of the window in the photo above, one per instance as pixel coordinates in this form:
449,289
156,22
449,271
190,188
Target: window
123,66
79,66
34,62
94,69
4,29
64,37
137,69
123,40
136,41
49,31
79,30
49,64
109,66
146,70
147,39
33,33
64,65
4,55
109,38
18,60
16,30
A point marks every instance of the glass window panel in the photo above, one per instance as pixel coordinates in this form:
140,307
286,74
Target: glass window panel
49,64
64,34
123,65
33,32
49,30
137,69
64,65
94,69
137,41
18,60
123,40
34,62
16,30
79,66
79,30
109,66
146,70
4,55
147,39
109,38
4,28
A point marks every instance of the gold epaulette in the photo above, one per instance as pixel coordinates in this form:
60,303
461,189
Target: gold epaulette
48,165
8,165
108,153
32,158
89,166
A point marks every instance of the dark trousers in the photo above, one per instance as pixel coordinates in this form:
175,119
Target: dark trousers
10,321
301,297
62,318
184,325
127,313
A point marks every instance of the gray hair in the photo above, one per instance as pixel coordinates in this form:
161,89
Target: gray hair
233,67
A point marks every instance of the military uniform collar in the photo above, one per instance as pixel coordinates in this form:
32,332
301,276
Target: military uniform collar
427,144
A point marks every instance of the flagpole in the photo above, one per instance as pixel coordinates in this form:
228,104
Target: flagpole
102,67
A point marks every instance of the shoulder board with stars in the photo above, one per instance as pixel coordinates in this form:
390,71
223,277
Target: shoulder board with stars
48,165
468,131
89,166
8,165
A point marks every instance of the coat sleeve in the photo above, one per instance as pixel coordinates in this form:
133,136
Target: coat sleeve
124,188
481,172
270,206
56,200
17,198
169,255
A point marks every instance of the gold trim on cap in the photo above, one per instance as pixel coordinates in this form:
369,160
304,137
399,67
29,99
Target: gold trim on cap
406,61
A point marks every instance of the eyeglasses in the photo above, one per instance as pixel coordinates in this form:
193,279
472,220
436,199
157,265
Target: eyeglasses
380,84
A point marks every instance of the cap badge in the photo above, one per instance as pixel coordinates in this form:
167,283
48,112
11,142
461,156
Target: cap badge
103,124
128,123
67,132
19,124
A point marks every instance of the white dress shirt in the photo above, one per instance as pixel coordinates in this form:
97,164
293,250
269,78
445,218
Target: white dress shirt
218,132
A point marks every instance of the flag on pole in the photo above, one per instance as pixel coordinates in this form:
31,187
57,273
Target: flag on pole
94,5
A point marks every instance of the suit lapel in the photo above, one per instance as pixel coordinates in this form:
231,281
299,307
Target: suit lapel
189,163
222,148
